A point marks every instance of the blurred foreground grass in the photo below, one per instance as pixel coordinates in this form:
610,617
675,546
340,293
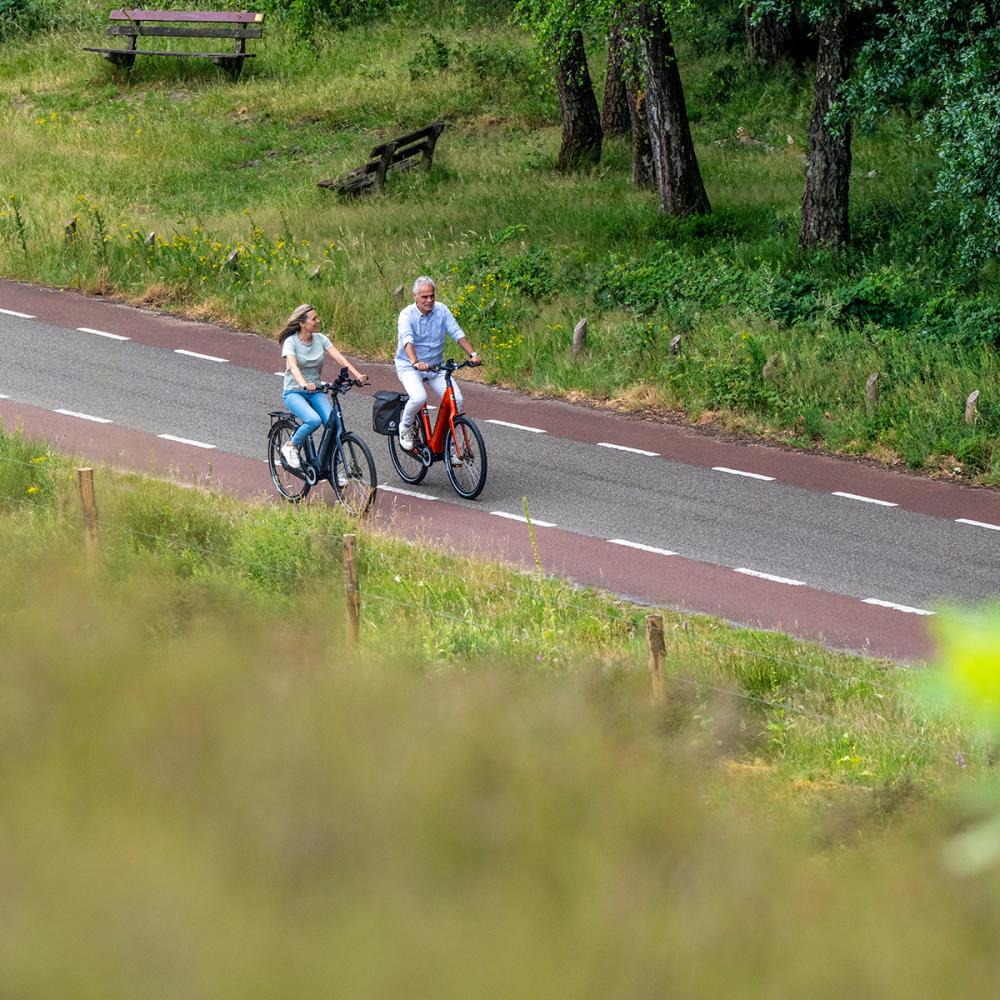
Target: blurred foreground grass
203,794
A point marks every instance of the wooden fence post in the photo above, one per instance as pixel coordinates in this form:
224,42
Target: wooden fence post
580,337
656,648
88,503
397,297
352,592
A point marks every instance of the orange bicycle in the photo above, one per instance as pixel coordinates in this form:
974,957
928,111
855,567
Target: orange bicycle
454,438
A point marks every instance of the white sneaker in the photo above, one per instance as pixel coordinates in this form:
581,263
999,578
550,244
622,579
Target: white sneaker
406,438
342,478
291,455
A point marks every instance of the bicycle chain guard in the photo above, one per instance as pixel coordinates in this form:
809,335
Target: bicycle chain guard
311,475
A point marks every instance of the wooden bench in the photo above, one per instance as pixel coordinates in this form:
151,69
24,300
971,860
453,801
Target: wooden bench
414,149
236,25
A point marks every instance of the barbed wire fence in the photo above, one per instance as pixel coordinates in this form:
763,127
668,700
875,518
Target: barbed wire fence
666,675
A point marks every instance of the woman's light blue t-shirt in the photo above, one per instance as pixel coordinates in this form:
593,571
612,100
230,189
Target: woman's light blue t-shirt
309,357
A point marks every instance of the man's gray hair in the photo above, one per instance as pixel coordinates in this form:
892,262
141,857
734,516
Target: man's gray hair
421,281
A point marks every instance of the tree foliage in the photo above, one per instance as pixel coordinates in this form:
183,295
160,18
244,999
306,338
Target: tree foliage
938,59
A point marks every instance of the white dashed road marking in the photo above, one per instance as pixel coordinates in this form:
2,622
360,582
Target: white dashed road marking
517,427
740,472
2,396
406,493
84,416
857,496
896,607
14,312
769,576
203,357
523,520
196,444
977,524
641,547
622,447
102,333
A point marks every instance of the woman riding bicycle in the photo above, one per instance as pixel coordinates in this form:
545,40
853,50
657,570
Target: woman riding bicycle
421,330
303,347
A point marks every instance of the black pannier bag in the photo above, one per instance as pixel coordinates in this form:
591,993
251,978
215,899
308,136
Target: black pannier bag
386,410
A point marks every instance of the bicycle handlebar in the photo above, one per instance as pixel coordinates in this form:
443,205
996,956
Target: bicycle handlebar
344,383
453,366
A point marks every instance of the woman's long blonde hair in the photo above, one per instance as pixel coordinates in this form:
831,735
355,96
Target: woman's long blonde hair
294,322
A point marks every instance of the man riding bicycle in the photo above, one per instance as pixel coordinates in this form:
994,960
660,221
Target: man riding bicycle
421,330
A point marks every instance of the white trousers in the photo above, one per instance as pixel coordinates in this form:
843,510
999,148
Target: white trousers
415,384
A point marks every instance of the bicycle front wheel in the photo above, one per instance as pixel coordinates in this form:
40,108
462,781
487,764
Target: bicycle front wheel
290,483
353,474
409,465
465,458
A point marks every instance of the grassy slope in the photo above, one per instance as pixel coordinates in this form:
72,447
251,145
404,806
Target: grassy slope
522,252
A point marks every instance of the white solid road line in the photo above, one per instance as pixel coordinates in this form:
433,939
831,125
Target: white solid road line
857,496
740,472
102,333
768,576
406,493
517,427
203,357
641,547
83,416
196,444
622,447
14,312
896,607
523,520
977,524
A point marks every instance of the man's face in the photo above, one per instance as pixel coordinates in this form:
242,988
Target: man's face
424,298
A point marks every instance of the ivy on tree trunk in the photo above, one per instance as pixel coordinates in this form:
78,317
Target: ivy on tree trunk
581,125
678,178
643,171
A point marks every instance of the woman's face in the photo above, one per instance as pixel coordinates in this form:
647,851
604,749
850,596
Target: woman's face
310,322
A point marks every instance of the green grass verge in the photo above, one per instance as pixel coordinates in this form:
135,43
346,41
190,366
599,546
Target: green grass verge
204,793
522,252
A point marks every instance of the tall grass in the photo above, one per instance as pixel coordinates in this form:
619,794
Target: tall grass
210,167
204,793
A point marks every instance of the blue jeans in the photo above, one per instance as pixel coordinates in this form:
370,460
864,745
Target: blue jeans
312,408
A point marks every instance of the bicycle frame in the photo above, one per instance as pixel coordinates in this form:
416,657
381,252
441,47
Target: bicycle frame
319,459
435,436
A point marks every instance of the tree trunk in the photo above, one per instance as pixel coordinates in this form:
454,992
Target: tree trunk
828,161
643,171
770,39
678,178
615,119
582,136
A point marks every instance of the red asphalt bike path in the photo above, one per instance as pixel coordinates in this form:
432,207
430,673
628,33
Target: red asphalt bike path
685,584
821,473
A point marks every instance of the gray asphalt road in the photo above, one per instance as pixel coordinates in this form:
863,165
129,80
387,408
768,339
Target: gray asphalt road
832,543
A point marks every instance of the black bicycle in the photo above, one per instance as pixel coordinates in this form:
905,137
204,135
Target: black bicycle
342,458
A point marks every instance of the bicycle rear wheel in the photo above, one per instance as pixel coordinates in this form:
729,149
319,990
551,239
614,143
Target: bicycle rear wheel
353,474
290,483
409,465
465,458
